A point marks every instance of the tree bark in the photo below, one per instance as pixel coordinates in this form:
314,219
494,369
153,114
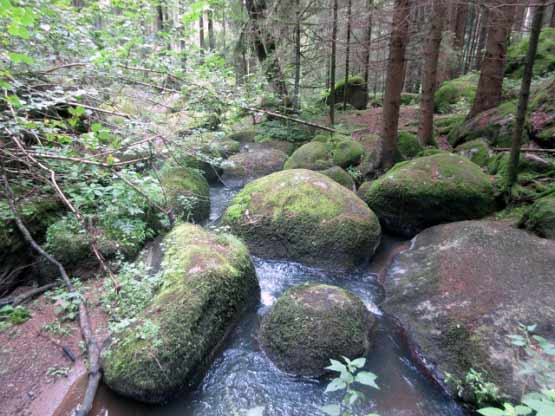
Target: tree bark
202,43
332,63
490,85
552,20
482,37
297,85
429,78
211,35
347,52
394,80
265,48
459,30
368,47
525,93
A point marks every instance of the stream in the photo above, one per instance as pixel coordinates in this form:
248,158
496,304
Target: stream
242,377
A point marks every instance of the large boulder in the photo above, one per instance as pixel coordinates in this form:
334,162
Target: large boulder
542,113
478,151
303,215
313,155
427,191
340,176
186,191
354,91
372,158
540,217
207,281
456,92
462,288
313,323
257,161
494,125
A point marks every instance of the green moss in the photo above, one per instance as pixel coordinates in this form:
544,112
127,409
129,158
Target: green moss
313,155
408,145
427,191
186,190
455,92
243,136
301,214
311,324
340,176
444,124
544,63
207,281
408,98
540,217
477,151
325,151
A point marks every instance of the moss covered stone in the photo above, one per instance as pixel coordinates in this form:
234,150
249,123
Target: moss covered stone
408,145
354,91
544,63
540,217
313,323
495,126
340,176
429,190
187,192
304,215
456,92
313,155
243,136
257,161
207,281
478,151
542,113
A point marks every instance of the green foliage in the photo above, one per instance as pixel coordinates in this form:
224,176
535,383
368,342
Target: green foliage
456,94
350,374
13,316
278,130
475,383
67,303
545,56
58,372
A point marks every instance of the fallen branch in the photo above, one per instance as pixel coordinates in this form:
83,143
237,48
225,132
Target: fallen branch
295,120
56,68
529,150
19,299
93,351
99,110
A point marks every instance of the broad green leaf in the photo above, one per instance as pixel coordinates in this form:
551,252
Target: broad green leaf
367,378
336,366
491,411
336,385
17,58
331,409
359,362
522,410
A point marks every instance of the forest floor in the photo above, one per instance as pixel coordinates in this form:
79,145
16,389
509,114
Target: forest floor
34,368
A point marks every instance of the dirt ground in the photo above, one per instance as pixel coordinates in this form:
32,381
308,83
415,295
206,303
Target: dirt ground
36,370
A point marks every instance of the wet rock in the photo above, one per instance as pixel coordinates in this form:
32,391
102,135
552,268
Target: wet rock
462,288
207,281
313,323
427,191
303,215
256,161
540,217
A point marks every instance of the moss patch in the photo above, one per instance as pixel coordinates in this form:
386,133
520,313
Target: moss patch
545,56
340,176
456,92
540,217
477,151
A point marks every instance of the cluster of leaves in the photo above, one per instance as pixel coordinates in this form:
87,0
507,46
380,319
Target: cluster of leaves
350,374
13,316
67,303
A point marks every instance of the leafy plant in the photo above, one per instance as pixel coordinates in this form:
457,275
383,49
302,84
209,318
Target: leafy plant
13,316
67,303
58,372
350,374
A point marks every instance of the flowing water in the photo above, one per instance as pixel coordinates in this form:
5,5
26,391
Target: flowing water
242,377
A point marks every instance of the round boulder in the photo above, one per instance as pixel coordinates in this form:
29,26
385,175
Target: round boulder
313,155
313,323
303,215
340,176
256,162
427,191
540,217
207,281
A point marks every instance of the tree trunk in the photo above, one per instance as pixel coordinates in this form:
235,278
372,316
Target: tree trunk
429,78
459,30
347,52
265,48
332,63
552,20
211,36
490,85
525,93
394,80
473,40
202,44
482,38
297,87
368,47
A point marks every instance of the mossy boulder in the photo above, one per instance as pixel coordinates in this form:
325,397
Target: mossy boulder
463,287
408,145
313,156
444,124
427,191
478,151
456,92
313,323
207,282
542,113
354,91
371,160
340,176
186,191
243,136
409,98
540,217
495,126
544,63
257,161
305,216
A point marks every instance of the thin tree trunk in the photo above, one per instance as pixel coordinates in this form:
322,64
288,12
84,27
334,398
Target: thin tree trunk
490,85
202,44
394,80
525,93
297,86
482,38
367,47
552,20
474,40
429,79
347,53
332,63
211,36
459,29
